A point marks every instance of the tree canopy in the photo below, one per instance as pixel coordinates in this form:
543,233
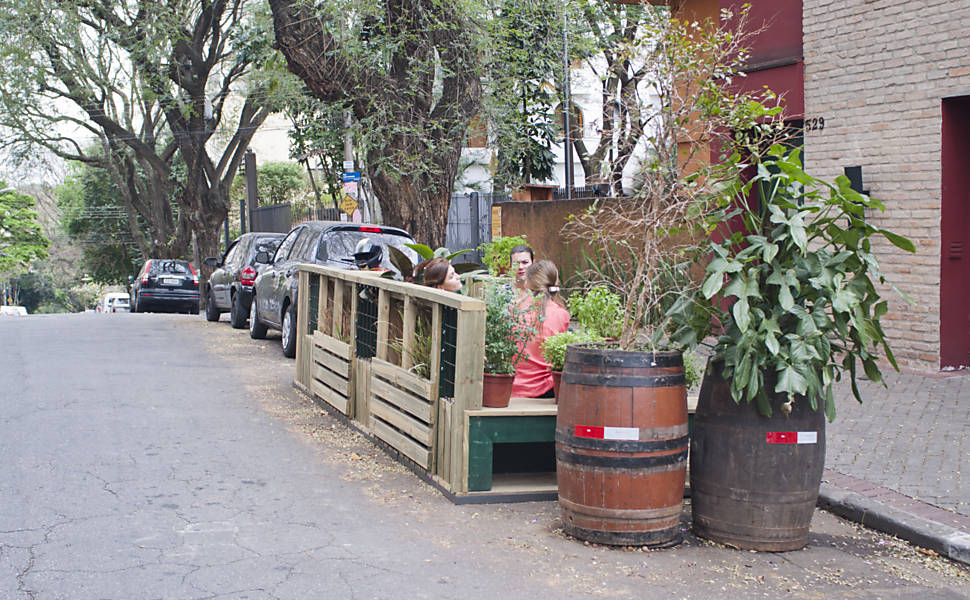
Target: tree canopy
146,84
21,238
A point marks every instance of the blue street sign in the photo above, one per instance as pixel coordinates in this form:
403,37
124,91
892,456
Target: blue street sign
350,176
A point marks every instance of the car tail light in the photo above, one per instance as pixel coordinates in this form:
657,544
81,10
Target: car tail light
148,269
371,229
248,275
195,276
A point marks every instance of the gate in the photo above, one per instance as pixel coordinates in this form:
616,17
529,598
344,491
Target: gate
275,218
470,223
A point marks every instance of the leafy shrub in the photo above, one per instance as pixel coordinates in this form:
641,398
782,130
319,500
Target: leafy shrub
599,312
506,330
554,348
497,253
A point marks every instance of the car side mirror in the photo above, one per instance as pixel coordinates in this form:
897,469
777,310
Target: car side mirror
212,261
262,257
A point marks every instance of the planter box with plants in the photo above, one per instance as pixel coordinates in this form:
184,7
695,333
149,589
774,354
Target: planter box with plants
790,292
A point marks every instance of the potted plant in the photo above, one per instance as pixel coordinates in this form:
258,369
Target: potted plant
639,250
506,333
790,292
599,312
554,351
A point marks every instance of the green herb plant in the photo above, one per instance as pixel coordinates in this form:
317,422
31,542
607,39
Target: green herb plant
506,330
790,291
599,312
554,348
497,253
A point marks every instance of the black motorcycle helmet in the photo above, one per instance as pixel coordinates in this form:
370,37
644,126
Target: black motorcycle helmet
367,254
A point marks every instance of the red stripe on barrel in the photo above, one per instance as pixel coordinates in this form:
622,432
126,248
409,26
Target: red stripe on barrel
792,437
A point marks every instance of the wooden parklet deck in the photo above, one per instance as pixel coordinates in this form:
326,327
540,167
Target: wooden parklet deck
402,363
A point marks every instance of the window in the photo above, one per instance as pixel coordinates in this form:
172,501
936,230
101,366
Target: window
284,250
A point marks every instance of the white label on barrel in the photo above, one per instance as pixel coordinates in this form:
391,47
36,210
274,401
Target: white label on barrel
792,437
607,433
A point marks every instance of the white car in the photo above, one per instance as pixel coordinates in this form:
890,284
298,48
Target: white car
13,311
114,302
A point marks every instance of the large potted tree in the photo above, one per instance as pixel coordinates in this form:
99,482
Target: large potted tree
790,291
622,420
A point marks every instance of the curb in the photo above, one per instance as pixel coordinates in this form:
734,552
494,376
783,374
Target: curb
942,539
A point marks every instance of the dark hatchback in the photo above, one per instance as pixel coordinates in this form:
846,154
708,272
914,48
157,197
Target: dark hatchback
165,284
330,243
230,287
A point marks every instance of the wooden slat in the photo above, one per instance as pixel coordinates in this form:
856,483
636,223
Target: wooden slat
419,408
336,364
338,310
421,292
383,322
332,398
408,324
402,421
402,378
435,368
403,444
333,345
337,381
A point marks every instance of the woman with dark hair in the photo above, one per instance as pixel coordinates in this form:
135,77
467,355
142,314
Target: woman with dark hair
546,313
438,273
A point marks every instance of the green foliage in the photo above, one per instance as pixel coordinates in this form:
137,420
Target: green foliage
554,348
279,182
95,219
497,253
21,239
791,287
599,311
402,262
506,330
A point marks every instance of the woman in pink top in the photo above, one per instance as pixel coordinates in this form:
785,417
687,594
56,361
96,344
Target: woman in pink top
546,313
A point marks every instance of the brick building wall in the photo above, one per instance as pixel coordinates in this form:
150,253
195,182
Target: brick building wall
876,71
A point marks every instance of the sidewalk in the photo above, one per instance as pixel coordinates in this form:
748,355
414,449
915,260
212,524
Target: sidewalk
900,462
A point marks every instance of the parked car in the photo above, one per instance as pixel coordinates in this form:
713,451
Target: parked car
330,243
230,287
12,311
114,302
165,283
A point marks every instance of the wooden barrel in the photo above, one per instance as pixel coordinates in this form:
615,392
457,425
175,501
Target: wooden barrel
754,480
621,445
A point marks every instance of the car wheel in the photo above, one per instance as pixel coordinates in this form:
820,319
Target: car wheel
289,332
237,314
257,330
211,310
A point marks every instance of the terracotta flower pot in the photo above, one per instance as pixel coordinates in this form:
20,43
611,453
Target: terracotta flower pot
496,390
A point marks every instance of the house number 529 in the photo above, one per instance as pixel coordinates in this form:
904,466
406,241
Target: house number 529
815,124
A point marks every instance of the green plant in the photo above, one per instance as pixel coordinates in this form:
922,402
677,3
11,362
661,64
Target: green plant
506,330
790,290
421,346
692,375
497,253
554,348
599,311
402,262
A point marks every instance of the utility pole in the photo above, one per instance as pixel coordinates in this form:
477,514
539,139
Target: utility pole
251,192
567,143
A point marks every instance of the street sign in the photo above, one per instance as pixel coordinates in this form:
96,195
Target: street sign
496,222
348,205
348,165
351,176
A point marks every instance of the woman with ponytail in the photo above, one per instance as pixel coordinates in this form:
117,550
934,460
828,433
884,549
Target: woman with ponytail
547,315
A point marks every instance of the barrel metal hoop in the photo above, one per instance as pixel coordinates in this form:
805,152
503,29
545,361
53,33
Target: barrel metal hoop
564,437
622,514
600,380
621,462
590,355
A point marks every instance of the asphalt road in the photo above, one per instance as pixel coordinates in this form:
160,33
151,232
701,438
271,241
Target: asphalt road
161,456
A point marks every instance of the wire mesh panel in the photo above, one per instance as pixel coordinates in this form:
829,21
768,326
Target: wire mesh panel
449,342
313,305
367,321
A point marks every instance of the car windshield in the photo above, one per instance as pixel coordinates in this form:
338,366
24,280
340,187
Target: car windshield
268,244
340,245
171,267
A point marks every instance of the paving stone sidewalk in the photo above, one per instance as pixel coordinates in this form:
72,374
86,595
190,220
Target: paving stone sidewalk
904,452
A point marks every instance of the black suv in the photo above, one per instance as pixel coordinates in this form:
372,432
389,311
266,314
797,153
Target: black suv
330,243
230,287
165,283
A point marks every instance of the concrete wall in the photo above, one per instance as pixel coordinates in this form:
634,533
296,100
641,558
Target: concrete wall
877,71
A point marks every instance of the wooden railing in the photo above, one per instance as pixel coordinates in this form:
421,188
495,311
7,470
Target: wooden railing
402,360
